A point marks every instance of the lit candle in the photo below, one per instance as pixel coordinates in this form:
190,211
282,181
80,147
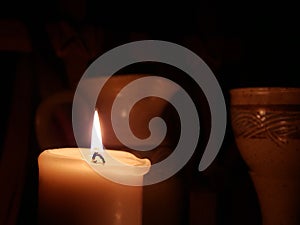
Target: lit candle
74,191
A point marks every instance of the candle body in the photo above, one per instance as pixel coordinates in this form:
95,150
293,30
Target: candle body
71,192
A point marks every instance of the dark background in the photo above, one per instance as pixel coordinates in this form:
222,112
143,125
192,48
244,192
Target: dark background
45,47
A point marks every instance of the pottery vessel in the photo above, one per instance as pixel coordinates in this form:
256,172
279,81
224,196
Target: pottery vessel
266,125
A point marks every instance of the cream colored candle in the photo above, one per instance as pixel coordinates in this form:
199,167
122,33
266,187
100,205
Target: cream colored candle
71,192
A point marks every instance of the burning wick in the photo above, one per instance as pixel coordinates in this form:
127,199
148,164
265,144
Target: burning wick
94,160
96,141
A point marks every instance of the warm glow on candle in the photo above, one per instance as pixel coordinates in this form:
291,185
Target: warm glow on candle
99,156
70,192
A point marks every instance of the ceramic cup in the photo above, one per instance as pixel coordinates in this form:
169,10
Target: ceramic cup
266,125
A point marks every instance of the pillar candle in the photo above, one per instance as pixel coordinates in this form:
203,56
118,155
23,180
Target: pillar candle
72,192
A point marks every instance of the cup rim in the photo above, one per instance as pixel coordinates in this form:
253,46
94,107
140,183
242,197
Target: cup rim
265,96
265,90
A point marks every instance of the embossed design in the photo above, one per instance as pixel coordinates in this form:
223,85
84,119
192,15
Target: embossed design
278,125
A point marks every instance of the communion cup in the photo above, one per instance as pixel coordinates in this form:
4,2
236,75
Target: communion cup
266,127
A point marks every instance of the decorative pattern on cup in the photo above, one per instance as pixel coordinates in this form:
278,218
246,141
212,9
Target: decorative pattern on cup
276,123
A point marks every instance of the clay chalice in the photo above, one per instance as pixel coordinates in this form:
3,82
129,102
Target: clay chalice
266,125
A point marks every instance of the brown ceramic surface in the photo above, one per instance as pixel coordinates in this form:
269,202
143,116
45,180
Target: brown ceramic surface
266,125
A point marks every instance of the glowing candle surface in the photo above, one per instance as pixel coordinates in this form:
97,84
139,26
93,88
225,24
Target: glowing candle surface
73,192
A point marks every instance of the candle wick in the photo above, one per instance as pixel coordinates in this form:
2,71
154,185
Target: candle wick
94,160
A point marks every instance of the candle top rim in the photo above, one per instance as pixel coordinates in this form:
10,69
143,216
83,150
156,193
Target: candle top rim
112,169
127,158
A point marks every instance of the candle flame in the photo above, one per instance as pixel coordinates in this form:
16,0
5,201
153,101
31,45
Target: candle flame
96,140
